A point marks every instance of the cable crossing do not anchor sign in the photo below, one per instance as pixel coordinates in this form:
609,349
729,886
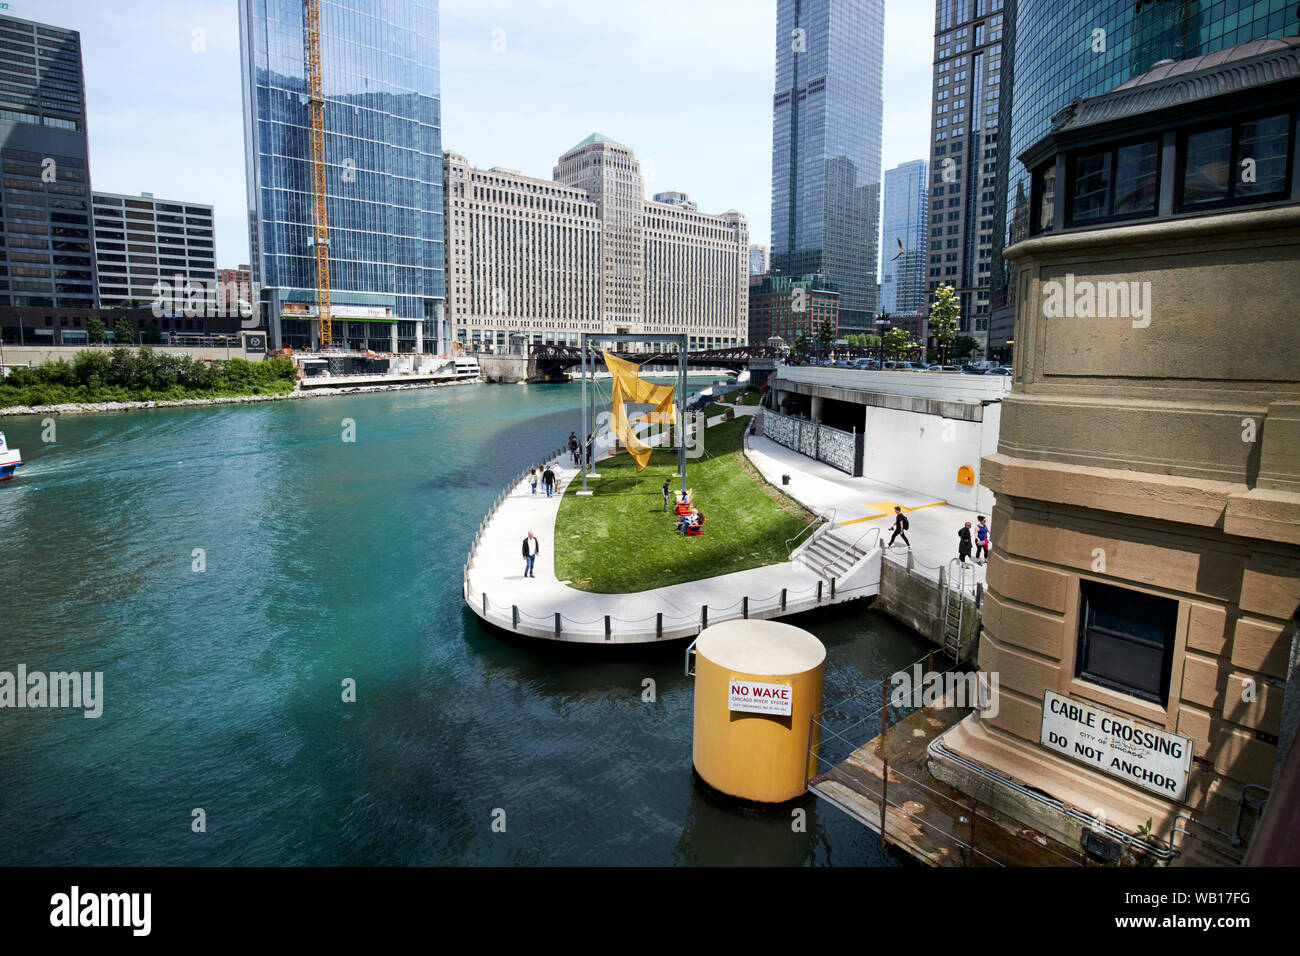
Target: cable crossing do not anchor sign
1140,754
755,698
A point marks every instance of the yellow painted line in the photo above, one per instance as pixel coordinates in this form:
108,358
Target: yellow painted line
887,508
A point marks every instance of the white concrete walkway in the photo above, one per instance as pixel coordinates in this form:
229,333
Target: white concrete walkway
495,587
860,504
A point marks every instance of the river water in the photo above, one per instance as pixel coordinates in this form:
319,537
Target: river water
325,560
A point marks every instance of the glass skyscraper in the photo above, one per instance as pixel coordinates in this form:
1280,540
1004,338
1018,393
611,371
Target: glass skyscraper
383,150
46,251
1061,49
902,254
826,132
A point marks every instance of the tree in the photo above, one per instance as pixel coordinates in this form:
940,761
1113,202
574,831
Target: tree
149,334
96,330
123,330
945,313
826,335
897,342
801,343
963,345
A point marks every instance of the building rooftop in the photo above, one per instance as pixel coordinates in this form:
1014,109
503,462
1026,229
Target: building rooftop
1172,83
595,138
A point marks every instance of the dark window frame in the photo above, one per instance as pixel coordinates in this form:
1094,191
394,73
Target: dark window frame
1111,149
1235,124
1087,638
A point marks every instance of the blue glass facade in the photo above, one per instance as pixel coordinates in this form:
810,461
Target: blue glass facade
1062,49
902,253
826,134
383,150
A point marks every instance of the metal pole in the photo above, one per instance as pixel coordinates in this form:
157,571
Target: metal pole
884,759
585,440
681,408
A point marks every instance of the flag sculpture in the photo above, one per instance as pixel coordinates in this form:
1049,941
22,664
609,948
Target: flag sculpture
628,386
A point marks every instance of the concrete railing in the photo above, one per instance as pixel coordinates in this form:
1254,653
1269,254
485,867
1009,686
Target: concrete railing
949,387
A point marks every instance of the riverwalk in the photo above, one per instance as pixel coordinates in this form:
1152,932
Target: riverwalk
855,506
545,607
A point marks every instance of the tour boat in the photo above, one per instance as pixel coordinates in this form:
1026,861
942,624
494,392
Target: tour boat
10,459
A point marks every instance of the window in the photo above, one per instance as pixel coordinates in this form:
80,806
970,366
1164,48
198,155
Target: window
1126,640
1239,163
1117,182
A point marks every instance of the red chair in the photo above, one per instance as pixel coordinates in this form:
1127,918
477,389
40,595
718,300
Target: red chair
697,528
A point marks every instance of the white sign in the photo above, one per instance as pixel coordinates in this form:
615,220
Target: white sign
1141,754
760,698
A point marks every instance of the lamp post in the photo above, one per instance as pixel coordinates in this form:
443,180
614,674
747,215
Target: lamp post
882,326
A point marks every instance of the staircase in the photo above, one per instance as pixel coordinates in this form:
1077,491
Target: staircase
830,556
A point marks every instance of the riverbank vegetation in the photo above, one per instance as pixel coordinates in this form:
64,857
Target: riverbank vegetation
123,375
619,540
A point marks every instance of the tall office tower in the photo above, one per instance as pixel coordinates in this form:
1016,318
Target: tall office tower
902,253
826,129
611,177
140,241
758,259
968,41
550,260
1047,67
47,245
383,155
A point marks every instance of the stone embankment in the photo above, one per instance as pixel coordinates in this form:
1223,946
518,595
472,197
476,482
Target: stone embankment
78,408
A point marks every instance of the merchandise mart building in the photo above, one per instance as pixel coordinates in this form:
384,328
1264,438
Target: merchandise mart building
1061,50
383,155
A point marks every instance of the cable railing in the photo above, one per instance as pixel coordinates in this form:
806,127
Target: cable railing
661,625
824,738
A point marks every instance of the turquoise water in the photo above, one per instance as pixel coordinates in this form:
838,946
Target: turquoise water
325,561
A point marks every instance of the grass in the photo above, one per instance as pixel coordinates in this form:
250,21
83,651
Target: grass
620,541
746,396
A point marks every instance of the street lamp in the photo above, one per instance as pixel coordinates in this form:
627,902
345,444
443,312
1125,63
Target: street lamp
882,326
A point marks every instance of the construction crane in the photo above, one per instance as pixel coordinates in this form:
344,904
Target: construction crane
316,113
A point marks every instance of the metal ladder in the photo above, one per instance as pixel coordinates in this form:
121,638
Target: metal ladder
954,606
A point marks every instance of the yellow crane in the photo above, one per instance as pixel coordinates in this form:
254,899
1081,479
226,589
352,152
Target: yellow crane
316,113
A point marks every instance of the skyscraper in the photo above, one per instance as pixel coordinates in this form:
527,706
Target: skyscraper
902,254
1046,67
967,82
47,249
826,132
383,155
168,241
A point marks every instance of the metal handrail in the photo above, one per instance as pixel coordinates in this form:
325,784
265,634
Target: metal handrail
826,516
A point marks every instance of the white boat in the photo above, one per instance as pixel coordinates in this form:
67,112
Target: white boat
10,459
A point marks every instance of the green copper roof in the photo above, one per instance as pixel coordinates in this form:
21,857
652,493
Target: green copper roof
596,138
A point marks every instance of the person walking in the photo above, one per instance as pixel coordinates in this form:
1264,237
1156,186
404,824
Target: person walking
901,524
667,494
548,479
573,446
963,543
532,479
981,541
532,548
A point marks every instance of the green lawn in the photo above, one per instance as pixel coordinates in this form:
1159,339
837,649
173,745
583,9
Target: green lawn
619,540
746,396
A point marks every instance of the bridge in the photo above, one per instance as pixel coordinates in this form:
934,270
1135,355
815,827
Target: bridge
548,363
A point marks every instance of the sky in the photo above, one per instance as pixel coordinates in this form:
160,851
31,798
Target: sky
687,84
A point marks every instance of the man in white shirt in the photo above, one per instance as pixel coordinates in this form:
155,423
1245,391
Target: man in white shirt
531,549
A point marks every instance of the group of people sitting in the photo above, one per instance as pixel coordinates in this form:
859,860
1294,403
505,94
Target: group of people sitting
691,522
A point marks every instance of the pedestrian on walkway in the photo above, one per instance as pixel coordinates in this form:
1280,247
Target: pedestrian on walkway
573,446
532,479
981,541
901,524
667,494
963,543
548,479
531,549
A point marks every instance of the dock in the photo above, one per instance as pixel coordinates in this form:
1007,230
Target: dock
934,823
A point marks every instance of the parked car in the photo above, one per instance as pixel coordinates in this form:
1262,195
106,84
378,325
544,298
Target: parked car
973,370
943,368
1000,370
